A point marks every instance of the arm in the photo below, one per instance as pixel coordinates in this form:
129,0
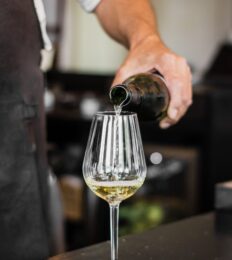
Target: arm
127,21
133,23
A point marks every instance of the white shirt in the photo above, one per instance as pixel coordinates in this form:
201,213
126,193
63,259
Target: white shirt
89,5
47,52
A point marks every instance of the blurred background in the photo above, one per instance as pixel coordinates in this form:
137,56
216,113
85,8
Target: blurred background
185,161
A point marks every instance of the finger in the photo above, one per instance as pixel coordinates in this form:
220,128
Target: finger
180,89
176,115
186,93
166,123
178,106
175,90
127,71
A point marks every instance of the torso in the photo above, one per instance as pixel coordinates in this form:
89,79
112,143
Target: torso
22,170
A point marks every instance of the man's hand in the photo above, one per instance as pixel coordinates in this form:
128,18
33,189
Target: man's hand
151,53
133,23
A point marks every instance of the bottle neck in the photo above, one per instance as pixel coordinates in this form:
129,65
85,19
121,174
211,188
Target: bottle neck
124,94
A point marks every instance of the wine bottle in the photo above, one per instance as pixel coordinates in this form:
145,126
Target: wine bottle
143,93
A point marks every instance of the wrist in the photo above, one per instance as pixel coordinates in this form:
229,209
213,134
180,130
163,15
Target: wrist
138,39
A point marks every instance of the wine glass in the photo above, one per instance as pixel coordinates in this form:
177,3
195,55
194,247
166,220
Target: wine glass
114,165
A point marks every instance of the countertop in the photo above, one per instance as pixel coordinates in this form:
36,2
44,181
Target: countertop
203,237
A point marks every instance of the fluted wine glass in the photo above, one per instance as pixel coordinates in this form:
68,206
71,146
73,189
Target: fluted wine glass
114,165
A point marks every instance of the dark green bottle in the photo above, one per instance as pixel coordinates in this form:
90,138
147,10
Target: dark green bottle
144,93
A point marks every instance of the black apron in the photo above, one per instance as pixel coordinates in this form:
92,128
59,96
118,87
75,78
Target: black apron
23,166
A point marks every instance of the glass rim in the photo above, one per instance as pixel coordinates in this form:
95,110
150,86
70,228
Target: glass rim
113,113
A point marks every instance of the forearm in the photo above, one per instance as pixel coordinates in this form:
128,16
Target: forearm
133,23
127,21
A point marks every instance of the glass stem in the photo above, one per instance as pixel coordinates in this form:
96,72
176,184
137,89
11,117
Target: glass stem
114,210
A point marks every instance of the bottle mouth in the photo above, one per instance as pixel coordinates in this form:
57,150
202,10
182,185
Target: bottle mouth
119,95
113,113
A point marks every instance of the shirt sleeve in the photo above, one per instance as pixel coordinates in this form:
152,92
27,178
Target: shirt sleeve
89,5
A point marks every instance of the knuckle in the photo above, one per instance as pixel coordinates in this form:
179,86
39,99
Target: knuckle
120,73
169,58
187,102
174,121
183,62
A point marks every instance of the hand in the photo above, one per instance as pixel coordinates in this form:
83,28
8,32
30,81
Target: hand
152,53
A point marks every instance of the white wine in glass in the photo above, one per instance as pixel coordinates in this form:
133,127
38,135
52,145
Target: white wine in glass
114,165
